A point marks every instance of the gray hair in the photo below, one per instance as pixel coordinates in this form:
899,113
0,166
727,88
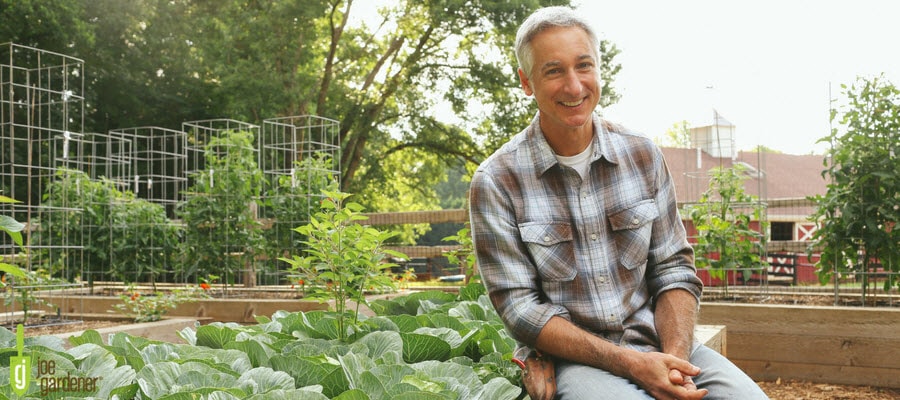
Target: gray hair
543,19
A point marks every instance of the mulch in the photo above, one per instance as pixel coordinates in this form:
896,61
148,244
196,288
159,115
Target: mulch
799,390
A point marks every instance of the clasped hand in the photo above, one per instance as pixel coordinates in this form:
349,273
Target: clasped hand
665,376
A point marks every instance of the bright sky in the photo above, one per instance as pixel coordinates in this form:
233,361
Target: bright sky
765,65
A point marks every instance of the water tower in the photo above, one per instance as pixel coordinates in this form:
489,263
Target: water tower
716,139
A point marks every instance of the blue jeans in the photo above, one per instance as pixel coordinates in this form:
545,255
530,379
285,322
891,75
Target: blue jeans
723,379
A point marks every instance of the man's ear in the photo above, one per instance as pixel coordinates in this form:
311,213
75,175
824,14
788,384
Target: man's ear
526,85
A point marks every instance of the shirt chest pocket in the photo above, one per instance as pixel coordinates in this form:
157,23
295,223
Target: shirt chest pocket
551,248
632,229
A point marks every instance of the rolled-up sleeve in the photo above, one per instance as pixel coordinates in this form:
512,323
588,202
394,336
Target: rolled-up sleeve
506,268
670,263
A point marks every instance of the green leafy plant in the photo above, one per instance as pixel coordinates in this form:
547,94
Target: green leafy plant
726,240
405,278
120,237
343,258
291,200
426,345
221,232
144,240
153,306
464,255
76,225
857,216
19,285
9,224
21,289
14,230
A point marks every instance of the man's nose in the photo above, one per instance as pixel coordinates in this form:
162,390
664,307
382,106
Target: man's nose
573,83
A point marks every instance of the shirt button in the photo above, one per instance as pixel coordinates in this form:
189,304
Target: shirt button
593,236
635,221
602,279
546,238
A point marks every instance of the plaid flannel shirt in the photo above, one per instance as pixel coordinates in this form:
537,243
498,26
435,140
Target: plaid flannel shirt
594,251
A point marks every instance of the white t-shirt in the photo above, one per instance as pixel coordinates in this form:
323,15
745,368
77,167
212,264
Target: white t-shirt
580,162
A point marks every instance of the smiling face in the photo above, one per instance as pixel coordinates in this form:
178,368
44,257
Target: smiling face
565,85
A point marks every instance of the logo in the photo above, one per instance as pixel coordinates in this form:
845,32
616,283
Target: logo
20,366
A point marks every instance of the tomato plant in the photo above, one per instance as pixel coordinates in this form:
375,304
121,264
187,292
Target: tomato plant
726,240
221,232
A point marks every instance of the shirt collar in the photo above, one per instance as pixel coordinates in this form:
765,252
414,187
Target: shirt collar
544,158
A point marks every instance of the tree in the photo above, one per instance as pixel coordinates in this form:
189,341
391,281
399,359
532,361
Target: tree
383,82
767,149
858,214
127,49
140,65
426,80
679,135
144,69
55,26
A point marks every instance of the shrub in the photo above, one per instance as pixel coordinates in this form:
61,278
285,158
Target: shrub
343,258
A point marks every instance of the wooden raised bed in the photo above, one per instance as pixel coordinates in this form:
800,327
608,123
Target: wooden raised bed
839,345
165,330
241,310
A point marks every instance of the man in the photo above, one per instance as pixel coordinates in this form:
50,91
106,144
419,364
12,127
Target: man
579,240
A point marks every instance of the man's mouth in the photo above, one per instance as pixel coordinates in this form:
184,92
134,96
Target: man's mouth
572,103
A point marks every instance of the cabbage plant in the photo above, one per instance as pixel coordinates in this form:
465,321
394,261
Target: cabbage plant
426,345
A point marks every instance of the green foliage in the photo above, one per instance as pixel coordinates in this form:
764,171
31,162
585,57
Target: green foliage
137,53
46,27
678,135
292,199
859,212
343,258
412,176
19,285
722,217
408,275
221,233
144,241
12,228
20,288
160,63
151,307
464,256
444,347
130,239
79,214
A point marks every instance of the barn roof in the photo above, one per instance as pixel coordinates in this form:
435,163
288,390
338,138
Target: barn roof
769,175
